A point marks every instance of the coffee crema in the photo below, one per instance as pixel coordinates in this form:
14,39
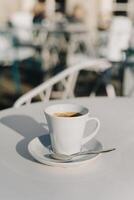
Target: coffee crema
67,114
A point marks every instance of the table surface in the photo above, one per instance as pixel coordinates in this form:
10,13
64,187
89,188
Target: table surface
109,177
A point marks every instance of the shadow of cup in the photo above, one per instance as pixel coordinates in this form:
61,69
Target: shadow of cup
28,128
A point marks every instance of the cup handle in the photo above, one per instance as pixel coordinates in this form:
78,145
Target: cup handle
88,138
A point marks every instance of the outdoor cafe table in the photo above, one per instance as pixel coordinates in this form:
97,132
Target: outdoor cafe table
108,177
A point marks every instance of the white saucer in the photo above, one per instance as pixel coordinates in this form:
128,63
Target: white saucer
38,148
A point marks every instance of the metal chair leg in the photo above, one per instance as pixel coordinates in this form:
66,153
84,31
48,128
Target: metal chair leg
16,76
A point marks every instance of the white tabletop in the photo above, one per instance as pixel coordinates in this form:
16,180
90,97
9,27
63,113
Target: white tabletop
109,177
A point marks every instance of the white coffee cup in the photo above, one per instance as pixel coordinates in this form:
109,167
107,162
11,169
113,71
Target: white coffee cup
67,133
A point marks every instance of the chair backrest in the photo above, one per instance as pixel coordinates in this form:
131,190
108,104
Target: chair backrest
68,78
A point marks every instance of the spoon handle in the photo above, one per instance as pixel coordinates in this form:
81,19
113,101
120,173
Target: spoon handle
94,152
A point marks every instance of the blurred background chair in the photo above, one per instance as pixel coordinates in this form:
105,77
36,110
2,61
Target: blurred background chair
119,38
67,78
118,43
28,40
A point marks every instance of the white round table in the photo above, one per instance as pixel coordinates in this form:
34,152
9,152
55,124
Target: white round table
109,177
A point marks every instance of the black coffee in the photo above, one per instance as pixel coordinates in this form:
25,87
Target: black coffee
67,114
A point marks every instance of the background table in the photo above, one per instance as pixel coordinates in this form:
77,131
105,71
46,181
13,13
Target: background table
109,177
